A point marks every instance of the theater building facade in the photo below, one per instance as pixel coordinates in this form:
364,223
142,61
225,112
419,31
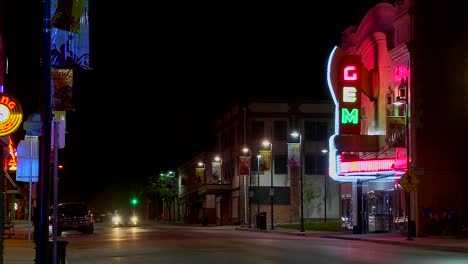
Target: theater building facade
398,108
369,80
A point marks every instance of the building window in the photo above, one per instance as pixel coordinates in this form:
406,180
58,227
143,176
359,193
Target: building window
322,164
281,164
254,163
258,130
322,131
316,131
227,171
316,164
280,130
309,163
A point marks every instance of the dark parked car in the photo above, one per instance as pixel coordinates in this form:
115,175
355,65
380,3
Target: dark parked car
73,216
102,215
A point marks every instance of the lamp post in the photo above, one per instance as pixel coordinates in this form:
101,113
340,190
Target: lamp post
247,154
301,179
172,177
168,179
218,159
325,187
267,143
201,166
186,209
407,168
400,101
258,182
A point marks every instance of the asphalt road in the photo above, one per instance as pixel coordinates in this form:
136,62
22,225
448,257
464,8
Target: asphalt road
155,243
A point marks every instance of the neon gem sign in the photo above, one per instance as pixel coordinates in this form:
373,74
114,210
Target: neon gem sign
350,95
347,76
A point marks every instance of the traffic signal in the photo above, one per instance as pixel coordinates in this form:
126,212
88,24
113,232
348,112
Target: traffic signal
134,201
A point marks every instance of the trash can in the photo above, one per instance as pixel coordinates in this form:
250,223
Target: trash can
204,221
61,251
261,220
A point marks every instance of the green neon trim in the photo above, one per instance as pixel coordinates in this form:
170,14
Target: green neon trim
348,117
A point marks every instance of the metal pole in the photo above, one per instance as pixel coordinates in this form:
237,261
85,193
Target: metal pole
258,184
407,168
187,200
147,209
2,202
271,184
30,186
42,246
325,180
250,191
54,222
302,183
222,193
302,203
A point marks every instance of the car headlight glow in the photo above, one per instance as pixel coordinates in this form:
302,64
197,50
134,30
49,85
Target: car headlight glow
116,219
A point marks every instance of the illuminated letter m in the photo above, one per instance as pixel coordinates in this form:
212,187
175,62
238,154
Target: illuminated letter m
349,117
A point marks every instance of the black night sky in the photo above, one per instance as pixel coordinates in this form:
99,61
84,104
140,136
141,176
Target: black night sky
160,74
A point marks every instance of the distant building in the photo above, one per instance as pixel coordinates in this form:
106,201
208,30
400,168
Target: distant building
219,190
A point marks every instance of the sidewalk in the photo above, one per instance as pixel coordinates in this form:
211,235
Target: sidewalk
435,243
18,249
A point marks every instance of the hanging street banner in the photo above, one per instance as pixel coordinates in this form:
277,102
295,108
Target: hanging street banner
215,172
67,15
244,165
200,175
265,160
294,154
62,89
70,34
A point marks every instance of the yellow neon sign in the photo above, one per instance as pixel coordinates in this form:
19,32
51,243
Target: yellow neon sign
11,114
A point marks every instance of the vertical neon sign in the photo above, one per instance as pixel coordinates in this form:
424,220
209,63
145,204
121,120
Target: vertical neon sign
349,94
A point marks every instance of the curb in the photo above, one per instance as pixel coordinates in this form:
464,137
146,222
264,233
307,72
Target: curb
379,240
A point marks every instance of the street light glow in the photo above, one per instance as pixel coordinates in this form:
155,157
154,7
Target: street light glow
295,134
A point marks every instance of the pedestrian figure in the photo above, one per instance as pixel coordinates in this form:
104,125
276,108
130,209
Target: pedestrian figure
409,181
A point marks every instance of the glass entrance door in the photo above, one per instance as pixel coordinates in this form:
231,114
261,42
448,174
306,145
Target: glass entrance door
379,211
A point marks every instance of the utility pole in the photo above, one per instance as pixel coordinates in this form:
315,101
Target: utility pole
43,184
2,202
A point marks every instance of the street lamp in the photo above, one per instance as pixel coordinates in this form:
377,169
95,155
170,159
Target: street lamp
400,101
218,159
172,208
258,182
267,143
295,135
247,154
325,183
200,172
168,180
